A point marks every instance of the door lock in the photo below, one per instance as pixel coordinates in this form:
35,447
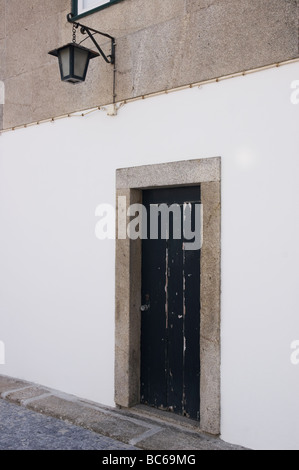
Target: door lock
145,308
147,305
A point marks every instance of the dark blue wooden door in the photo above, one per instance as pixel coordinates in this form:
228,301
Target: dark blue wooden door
170,335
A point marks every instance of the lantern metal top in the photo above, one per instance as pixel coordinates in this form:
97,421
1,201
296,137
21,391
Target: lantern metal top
92,54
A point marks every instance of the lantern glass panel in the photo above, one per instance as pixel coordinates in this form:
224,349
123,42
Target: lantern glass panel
65,61
81,59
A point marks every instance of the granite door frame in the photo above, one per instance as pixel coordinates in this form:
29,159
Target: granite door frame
130,182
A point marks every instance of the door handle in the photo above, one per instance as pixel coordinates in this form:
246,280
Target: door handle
145,308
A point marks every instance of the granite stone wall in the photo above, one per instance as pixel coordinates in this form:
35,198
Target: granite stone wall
161,44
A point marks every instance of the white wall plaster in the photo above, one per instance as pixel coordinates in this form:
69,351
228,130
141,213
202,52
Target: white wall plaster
57,278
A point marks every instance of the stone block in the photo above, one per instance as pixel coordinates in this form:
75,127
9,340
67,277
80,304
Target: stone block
7,383
22,15
23,395
90,418
18,100
27,49
172,439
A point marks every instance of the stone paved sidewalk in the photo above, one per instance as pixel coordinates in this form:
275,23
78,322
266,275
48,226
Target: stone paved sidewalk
74,417
23,429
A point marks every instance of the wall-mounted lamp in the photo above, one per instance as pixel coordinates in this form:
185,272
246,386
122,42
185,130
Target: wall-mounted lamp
74,58
73,62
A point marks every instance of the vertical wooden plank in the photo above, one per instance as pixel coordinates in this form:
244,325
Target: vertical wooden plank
175,327
153,330
192,332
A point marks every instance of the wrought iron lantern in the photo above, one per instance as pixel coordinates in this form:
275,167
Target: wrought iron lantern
73,62
74,59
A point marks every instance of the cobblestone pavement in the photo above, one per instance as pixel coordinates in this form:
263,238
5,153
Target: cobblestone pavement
23,429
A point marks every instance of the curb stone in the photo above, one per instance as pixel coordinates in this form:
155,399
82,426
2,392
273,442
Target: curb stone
132,427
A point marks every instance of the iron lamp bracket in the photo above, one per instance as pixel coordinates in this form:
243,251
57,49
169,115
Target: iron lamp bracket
110,59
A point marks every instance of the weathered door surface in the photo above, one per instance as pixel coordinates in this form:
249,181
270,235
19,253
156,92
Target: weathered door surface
170,336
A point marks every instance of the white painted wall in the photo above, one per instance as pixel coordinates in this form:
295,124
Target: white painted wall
57,279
